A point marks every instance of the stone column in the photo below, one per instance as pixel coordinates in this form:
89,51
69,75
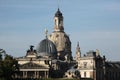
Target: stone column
35,76
26,75
45,73
94,74
15,76
23,74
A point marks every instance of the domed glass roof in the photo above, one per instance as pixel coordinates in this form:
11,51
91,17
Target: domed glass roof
46,48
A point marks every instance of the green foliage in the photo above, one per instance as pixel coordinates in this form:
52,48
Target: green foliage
8,66
0,57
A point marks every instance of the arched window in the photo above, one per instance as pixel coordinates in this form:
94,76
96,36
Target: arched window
55,22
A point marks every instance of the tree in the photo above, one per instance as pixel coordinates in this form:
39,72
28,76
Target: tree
2,51
8,67
0,57
1,62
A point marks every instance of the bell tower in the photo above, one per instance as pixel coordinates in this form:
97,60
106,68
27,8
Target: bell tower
58,21
60,38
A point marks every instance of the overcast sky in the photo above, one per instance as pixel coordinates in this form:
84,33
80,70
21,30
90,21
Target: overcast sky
94,23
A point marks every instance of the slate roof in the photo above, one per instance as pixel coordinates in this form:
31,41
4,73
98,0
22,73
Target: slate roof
113,65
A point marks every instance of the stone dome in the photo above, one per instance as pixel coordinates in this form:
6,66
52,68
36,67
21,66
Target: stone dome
46,48
62,43
61,40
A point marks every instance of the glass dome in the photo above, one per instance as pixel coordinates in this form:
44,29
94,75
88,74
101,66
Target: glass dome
46,48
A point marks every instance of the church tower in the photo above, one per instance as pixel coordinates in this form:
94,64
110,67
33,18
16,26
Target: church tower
60,38
78,52
58,21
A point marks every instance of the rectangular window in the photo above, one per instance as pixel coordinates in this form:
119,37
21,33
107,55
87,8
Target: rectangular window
85,64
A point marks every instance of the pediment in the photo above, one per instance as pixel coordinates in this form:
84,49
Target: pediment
32,65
